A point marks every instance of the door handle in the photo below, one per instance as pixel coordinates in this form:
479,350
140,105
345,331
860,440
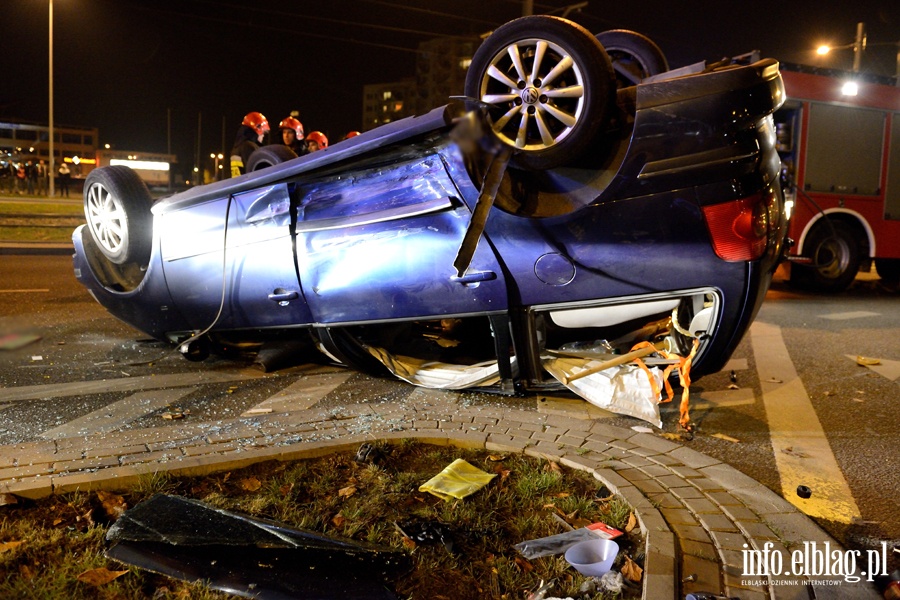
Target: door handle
475,276
283,296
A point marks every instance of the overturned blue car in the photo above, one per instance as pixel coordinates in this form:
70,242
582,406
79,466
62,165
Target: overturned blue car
579,195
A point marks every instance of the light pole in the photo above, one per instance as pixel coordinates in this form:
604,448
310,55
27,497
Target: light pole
51,169
218,167
858,45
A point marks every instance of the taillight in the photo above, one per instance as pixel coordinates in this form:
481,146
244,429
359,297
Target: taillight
739,229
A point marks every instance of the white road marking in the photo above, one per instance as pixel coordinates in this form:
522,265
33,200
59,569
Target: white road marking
846,316
117,414
722,398
794,425
736,364
887,368
125,384
302,394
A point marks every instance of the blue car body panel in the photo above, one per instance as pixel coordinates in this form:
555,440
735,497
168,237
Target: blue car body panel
366,231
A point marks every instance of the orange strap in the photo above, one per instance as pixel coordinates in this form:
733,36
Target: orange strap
684,378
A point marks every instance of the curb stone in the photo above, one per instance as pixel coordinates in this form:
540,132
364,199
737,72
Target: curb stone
696,513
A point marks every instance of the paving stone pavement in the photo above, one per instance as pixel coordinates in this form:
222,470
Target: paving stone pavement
699,515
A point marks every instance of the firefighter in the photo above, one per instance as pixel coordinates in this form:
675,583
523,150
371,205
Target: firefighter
316,140
292,135
250,136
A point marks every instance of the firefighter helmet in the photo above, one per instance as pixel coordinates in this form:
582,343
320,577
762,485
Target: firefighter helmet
257,122
292,123
319,138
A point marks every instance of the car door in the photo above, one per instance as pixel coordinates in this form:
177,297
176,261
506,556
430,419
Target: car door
379,244
257,271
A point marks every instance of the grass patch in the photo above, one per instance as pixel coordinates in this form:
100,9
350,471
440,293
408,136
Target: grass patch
41,208
36,234
63,536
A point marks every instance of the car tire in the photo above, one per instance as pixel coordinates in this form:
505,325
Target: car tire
549,122
117,210
889,270
269,156
196,350
341,344
634,56
835,257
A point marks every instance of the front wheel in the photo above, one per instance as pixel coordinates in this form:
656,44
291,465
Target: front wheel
117,209
549,88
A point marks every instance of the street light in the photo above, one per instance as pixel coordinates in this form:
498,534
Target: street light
52,168
858,45
218,167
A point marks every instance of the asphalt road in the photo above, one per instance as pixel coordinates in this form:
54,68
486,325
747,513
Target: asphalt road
793,407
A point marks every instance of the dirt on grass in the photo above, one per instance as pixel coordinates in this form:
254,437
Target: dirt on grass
54,547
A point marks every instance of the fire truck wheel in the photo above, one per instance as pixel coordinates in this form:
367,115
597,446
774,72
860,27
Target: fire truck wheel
117,209
889,270
835,255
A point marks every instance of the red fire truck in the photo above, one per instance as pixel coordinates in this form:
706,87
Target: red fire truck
840,157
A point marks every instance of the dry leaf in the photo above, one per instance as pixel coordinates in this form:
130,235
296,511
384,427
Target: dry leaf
338,519
113,504
727,438
87,517
56,522
346,492
6,499
524,565
26,572
631,571
864,361
250,484
554,467
672,436
408,543
733,386
286,489
98,577
503,473
562,495
580,522
496,457
7,546
632,521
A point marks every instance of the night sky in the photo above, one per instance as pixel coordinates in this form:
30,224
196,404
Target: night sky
123,65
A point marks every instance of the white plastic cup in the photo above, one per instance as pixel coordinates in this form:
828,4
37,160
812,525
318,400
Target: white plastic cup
593,558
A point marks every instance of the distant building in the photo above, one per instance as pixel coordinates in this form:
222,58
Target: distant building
79,148
386,102
441,68
31,141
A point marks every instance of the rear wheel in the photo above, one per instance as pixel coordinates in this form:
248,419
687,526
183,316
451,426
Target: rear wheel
268,156
117,209
634,56
549,87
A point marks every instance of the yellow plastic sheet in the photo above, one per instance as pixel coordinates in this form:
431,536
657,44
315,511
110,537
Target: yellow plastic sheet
457,480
